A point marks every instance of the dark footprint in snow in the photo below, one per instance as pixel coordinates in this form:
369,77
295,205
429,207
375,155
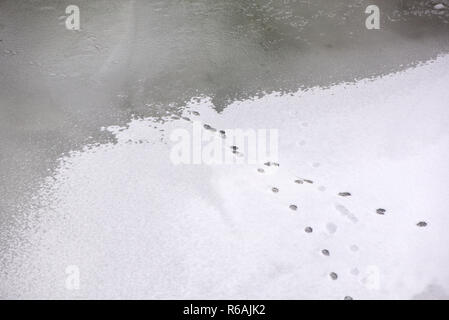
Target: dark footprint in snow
325,252
344,194
195,113
223,134
235,150
301,181
381,211
333,276
269,164
293,207
275,190
348,298
422,224
208,127
308,230
186,119
260,170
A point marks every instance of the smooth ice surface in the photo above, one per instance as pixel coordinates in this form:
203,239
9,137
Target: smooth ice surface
138,226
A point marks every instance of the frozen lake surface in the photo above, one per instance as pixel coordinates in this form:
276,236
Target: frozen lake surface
86,176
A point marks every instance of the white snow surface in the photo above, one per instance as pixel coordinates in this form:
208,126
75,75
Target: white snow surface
138,226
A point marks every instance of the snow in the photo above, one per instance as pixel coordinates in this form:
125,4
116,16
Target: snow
138,226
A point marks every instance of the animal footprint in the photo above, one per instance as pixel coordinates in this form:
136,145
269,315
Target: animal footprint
344,194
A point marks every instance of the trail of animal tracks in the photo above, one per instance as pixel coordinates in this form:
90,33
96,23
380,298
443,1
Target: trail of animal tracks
138,226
